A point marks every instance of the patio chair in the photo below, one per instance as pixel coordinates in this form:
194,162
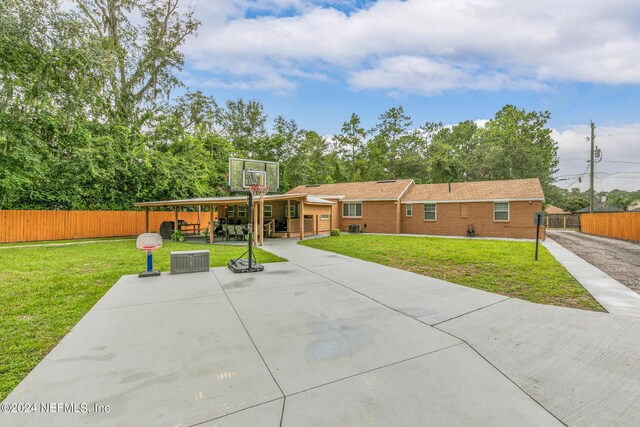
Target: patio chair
471,232
239,232
231,232
225,231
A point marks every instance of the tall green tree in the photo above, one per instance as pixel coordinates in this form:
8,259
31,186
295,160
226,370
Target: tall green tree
622,199
451,153
515,144
244,125
350,146
141,57
386,145
309,164
44,132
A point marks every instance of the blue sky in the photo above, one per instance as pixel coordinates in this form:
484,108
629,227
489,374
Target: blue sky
317,62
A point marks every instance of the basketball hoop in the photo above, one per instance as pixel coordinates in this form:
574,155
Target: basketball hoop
149,242
258,190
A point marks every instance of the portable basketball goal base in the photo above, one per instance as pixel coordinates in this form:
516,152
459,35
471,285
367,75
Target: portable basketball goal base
254,178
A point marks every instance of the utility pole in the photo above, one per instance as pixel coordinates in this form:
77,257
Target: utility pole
593,137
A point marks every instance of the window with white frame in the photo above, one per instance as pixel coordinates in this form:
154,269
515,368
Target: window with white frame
230,212
352,210
325,217
268,211
430,211
292,211
408,210
242,211
501,211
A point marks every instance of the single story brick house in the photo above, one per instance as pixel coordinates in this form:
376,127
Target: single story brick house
493,208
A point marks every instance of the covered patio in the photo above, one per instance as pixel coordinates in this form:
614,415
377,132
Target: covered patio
275,215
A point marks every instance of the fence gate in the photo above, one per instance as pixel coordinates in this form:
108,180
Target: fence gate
563,221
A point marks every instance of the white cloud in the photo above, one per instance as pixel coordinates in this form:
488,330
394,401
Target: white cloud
413,74
393,45
620,165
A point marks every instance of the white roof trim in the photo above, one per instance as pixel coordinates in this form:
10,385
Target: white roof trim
324,196
319,200
405,190
408,202
393,199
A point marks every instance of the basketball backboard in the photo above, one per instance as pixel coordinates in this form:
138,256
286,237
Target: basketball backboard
244,173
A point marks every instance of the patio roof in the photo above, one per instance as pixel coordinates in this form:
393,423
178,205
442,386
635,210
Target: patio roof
230,200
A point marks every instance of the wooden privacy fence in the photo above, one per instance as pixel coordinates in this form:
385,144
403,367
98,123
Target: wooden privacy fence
562,221
29,226
621,225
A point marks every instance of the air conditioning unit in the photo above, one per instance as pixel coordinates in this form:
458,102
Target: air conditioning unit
354,228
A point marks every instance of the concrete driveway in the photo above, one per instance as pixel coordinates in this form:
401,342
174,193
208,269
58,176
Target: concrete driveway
620,259
330,340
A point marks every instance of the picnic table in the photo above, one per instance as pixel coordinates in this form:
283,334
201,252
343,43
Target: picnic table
187,228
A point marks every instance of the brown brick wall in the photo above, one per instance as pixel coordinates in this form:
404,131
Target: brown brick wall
379,217
453,219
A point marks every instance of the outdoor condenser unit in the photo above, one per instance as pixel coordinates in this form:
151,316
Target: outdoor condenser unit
189,261
354,228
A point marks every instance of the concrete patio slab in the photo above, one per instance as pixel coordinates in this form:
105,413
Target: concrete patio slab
431,300
332,340
278,275
167,363
315,334
448,387
615,297
265,415
131,290
583,366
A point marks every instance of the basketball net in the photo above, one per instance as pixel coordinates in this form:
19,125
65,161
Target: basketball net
258,190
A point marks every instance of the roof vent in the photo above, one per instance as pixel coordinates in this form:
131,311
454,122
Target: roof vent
386,181
313,185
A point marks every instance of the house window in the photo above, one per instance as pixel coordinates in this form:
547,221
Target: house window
268,210
408,210
230,212
242,211
352,210
292,211
429,211
325,217
501,211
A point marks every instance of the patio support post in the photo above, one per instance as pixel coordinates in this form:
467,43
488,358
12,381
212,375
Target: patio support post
211,227
301,219
147,219
175,216
261,210
255,223
288,216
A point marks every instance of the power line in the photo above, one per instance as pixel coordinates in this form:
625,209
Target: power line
615,173
621,161
579,177
622,133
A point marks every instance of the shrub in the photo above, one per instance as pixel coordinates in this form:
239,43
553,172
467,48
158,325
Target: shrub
177,235
335,232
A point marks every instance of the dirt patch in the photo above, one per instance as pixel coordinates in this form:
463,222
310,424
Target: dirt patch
620,259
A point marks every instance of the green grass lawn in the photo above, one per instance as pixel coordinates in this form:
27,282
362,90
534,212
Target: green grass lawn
502,267
45,291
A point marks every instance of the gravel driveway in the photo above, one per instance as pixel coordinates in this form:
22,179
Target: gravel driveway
618,258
